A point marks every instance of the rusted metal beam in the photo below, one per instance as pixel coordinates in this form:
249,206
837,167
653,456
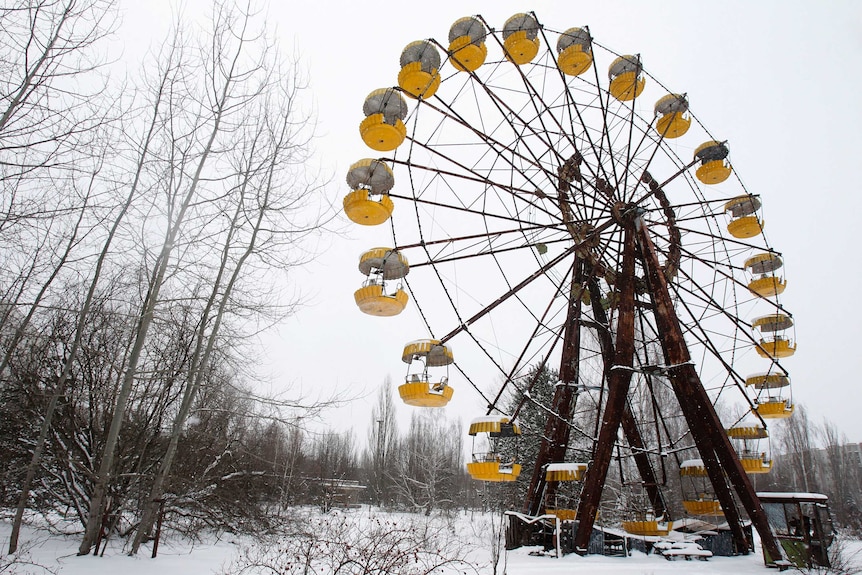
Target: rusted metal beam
707,430
619,379
630,427
555,439
677,357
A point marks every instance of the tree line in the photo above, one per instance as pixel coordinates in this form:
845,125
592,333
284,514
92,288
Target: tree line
147,227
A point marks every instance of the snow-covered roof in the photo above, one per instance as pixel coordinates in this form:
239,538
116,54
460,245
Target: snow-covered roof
490,419
567,466
800,496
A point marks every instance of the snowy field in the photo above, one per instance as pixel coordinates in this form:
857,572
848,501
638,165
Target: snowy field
468,537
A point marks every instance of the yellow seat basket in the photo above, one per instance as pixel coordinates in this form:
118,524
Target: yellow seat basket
494,427
566,474
745,227
713,172
520,49
693,471
768,380
769,286
417,82
627,86
755,465
774,410
672,125
708,507
646,528
747,432
372,301
380,136
776,348
562,514
465,56
490,471
422,394
435,353
573,61
365,211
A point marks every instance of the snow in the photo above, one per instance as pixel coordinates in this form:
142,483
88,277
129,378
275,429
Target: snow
489,419
788,495
57,553
575,467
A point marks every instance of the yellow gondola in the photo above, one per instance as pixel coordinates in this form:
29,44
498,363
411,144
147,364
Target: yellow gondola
647,527
380,266
521,38
565,471
713,168
774,408
748,437
703,506
383,128
421,387
764,282
698,498
574,51
467,50
369,203
627,81
744,222
775,342
771,385
488,463
671,113
420,64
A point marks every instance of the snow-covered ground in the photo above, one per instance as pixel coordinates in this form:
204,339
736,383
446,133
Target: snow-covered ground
52,553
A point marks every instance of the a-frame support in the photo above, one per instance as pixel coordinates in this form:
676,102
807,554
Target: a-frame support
619,379
630,427
720,459
555,438
723,466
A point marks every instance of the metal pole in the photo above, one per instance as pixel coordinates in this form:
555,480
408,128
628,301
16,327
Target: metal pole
619,380
161,503
555,438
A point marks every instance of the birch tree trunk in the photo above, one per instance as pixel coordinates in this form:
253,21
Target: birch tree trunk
228,66
269,143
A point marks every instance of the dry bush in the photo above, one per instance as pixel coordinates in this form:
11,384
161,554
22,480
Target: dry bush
358,544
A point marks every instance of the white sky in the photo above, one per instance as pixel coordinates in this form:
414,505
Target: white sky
777,79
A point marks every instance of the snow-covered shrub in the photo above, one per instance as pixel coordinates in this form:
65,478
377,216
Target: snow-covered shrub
358,544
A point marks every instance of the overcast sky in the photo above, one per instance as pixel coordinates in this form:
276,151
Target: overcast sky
777,79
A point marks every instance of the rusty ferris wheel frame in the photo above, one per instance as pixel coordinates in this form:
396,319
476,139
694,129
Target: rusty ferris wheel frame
592,240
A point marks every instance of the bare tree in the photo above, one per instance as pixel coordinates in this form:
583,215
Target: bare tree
429,462
798,444
51,119
382,443
48,85
376,545
270,141
207,195
840,476
194,129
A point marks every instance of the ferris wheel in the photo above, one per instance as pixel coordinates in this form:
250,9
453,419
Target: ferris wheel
548,217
